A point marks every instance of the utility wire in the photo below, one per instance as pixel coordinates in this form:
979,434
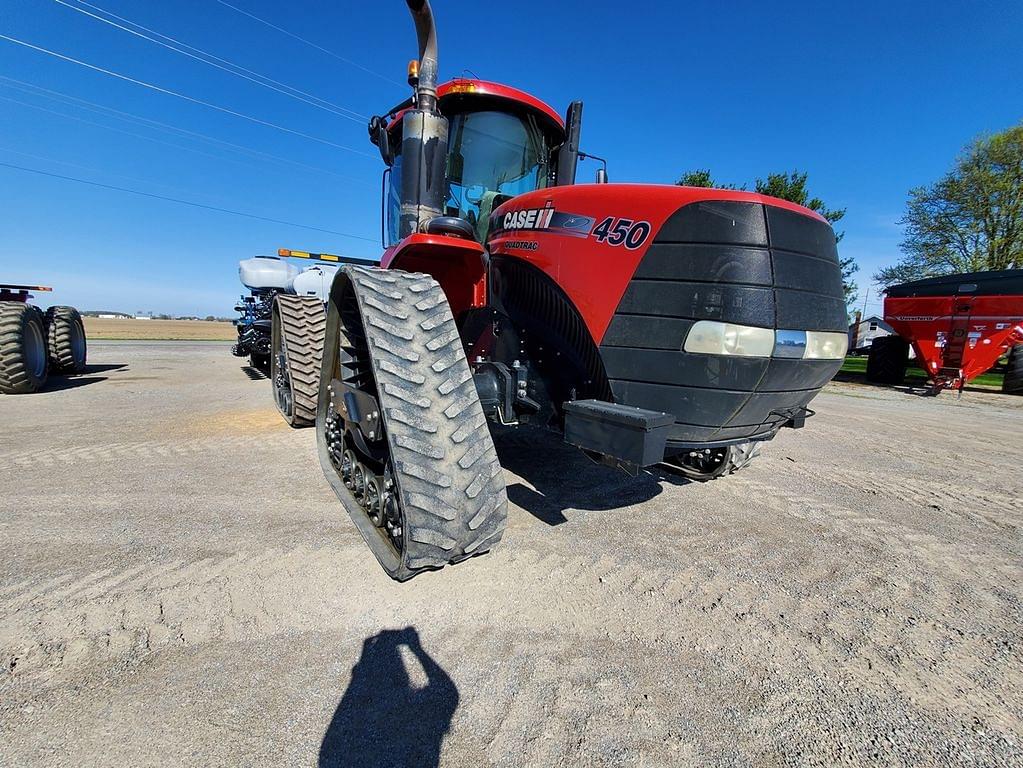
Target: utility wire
169,92
46,159
37,90
311,44
126,133
231,68
185,202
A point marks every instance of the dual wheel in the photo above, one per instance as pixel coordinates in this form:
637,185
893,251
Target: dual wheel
34,345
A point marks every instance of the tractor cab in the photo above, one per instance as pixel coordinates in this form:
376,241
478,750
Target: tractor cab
501,142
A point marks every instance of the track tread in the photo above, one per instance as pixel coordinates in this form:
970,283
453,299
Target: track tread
446,469
301,322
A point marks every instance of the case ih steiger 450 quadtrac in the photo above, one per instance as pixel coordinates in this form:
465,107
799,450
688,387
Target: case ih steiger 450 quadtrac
958,325
654,325
35,344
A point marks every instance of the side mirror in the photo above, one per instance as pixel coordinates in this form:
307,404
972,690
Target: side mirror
378,135
601,176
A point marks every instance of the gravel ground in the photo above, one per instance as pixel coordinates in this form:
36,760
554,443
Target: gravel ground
178,586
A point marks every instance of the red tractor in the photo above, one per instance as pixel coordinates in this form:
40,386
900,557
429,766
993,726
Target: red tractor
959,326
654,326
34,344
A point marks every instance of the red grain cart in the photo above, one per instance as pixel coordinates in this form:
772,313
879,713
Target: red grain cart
959,326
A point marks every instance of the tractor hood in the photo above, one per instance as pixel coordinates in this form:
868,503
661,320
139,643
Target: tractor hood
725,308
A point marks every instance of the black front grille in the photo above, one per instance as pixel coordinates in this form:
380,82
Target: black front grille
735,262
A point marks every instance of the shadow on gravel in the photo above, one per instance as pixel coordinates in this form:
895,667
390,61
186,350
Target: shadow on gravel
563,478
88,376
254,373
391,715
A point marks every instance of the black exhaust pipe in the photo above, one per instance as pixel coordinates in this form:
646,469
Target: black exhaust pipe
424,134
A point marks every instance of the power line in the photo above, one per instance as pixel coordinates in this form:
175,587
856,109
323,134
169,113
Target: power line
46,159
156,125
258,78
169,92
124,132
311,44
185,202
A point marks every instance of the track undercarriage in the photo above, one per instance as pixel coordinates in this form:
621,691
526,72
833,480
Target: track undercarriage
401,433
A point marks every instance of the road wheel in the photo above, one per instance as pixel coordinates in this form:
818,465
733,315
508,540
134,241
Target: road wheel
1012,384
401,434
887,360
65,338
23,355
296,351
712,463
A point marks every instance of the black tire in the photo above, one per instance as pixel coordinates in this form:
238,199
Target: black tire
448,483
23,356
712,464
65,339
887,360
296,351
259,362
1012,384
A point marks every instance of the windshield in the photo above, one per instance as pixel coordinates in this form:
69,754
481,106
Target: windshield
491,154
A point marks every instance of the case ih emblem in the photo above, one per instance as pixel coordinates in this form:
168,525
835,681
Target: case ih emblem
529,218
547,219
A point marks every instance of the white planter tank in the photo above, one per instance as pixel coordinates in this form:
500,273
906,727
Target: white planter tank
315,281
264,272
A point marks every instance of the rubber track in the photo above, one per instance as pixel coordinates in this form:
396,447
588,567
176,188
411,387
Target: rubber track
14,378
450,482
303,323
59,321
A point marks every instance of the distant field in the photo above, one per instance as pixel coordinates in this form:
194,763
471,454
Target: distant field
157,330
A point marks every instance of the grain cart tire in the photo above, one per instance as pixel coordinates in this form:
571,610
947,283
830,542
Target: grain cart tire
887,360
296,344
65,339
712,463
417,470
1012,384
23,355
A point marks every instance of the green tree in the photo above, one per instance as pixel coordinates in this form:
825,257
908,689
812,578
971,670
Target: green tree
970,220
791,187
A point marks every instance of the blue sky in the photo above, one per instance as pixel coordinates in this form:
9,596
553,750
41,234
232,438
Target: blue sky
870,98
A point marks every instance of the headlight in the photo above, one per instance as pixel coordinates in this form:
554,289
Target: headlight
823,345
709,337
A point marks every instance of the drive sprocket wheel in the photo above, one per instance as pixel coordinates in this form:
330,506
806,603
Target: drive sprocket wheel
296,341
439,494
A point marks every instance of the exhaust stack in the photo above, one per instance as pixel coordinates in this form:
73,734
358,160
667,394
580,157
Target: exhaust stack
424,134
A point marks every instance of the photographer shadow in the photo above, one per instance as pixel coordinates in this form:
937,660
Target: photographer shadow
386,719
